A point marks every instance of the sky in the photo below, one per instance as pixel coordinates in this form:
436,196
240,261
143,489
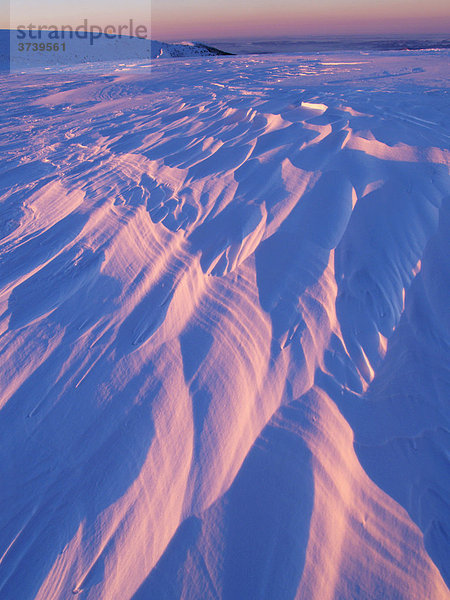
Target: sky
268,18
209,19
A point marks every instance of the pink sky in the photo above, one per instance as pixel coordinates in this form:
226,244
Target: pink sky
172,19
207,19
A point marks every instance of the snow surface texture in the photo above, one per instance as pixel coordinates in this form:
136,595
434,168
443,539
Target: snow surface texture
225,330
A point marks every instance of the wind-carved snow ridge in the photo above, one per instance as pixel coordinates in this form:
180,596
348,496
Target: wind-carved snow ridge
224,330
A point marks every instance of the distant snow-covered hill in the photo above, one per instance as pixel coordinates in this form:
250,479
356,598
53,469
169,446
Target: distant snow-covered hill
183,49
25,49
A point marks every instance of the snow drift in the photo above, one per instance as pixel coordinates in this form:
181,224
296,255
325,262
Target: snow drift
224,330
